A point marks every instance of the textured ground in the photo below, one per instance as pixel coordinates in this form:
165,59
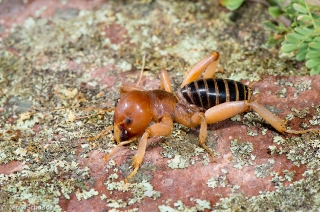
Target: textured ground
58,58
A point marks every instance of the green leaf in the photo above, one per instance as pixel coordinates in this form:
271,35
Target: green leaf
313,54
301,55
317,24
298,36
300,8
294,37
303,46
315,71
275,27
304,18
312,63
274,11
231,4
289,47
271,25
317,39
314,45
272,41
304,31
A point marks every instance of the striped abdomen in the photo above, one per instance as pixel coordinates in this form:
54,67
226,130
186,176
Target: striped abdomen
207,93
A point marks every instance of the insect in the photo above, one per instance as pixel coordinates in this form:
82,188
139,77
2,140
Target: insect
140,114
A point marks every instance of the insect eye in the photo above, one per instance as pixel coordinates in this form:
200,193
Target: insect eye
128,120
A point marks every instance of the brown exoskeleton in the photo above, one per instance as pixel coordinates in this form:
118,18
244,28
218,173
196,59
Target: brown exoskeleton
141,114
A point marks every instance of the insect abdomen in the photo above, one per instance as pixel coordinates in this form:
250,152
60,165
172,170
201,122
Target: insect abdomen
207,93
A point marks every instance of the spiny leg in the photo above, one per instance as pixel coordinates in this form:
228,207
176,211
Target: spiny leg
163,128
276,122
218,113
203,135
165,81
230,109
137,159
210,62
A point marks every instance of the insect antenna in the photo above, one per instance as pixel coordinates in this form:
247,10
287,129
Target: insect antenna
142,68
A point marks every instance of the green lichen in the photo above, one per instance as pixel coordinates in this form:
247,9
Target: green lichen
219,181
139,191
201,205
301,195
264,170
56,179
289,175
241,153
183,148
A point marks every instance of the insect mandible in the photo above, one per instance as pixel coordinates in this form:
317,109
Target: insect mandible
140,114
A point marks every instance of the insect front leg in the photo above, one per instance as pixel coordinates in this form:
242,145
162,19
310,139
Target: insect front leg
208,64
163,128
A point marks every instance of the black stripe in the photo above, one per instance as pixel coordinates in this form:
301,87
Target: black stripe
194,94
232,90
211,93
185,94
245,91
222,91
202,92
241,90
227,91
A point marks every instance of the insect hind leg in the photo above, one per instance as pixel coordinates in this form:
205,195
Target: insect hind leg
275,121
207,64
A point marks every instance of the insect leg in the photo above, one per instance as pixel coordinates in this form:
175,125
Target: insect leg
163,128
203,135
165,81
225,110
210,63
212,69
276,122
